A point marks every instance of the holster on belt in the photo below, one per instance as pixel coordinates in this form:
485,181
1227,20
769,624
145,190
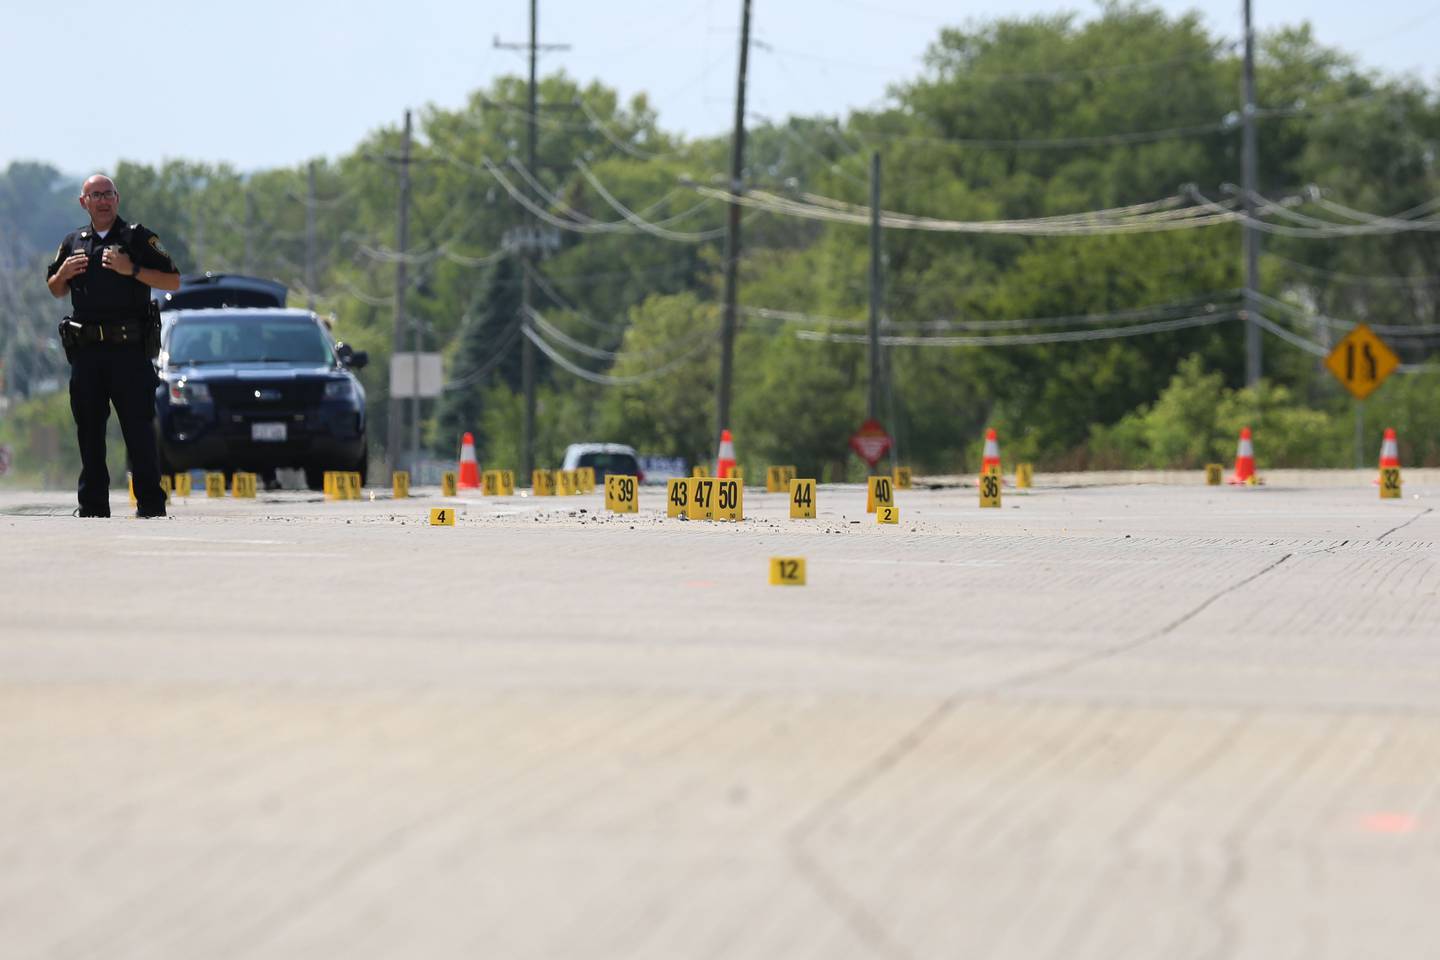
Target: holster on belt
75,334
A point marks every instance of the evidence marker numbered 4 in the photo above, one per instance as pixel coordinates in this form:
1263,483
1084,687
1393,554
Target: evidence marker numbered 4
442,516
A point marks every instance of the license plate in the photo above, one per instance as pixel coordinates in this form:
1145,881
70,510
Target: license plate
267,432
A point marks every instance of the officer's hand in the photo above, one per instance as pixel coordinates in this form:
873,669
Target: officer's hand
117,260
71,265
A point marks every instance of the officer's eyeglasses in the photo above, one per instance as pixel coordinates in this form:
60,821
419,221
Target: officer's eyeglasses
102,195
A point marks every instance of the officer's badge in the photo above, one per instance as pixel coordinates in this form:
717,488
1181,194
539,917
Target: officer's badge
155,242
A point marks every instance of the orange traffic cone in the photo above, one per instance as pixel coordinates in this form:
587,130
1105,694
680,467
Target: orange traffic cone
991,457
725,459
1389,451
1244,460
469,468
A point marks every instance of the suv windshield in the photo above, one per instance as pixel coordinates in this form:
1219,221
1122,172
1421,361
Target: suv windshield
207,297
606,464
233,340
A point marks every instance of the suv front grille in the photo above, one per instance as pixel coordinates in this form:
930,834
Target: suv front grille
273,394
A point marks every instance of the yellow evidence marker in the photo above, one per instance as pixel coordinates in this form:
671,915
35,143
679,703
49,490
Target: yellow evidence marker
879,491
729,499
902,478
165,485
885,513
775,479
352,485
447,483
491,483
702,499
587,479
737,472
699,470
509,478
1024,475
400,484
1214,474
442,516
130,483
332,486
214,484
244,486
802,499
787,571
542,483
622,493
990,489
569,482
1389,483
677,496
182,484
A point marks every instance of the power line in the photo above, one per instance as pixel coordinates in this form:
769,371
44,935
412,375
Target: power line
1027,339
1379,280
607,379
1095,222
640,222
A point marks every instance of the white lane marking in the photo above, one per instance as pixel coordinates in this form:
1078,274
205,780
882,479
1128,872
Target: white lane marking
186,554
261,543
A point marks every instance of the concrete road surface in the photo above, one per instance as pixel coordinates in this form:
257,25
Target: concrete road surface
1145,721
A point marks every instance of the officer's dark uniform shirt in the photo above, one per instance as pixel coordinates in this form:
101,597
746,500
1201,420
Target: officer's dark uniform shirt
100,295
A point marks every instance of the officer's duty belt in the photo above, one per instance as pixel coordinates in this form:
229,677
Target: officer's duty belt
121,332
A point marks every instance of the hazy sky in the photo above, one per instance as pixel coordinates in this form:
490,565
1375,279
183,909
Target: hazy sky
265,82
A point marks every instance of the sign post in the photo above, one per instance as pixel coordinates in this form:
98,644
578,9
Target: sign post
1361,361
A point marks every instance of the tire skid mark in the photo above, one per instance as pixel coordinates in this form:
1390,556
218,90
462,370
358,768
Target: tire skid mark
1405,524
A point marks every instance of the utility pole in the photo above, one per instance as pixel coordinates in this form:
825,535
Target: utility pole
395,428
732,232
310,236
528,247
1250,176
197,245
872,398
249,264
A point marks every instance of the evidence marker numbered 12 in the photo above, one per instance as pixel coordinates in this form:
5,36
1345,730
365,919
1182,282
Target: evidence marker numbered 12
787,571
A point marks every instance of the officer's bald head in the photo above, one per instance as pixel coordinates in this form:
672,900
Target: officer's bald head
100,199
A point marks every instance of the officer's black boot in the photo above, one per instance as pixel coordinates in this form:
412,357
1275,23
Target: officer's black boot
134,384
90,405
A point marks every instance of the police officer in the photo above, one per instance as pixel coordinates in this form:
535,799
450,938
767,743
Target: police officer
108,268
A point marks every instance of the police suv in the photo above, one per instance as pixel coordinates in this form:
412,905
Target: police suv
258,389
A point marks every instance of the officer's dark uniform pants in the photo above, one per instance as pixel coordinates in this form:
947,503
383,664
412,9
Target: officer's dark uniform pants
99,376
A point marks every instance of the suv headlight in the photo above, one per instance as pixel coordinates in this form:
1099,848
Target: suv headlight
183,392
339,390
